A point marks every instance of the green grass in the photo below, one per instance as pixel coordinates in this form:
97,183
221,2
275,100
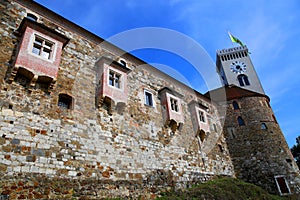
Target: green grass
223,189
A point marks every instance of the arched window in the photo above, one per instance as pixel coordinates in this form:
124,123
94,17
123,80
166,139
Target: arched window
241,121
243,80
235,105
263,126
123,63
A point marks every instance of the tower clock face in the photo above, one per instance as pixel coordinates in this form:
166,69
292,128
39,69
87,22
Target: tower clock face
238,67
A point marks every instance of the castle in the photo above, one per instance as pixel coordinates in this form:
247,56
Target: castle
79,118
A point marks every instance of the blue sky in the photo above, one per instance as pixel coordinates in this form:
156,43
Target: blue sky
270,29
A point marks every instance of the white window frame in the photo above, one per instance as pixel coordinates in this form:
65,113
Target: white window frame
120,79
176,103
52,49
201,116
205,117
278,186
145,98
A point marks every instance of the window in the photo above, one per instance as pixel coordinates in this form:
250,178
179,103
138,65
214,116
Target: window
263,126
42,47
201,116
65,101
241,121
114,79
282,185
243,80
215,127
235,105
174,105
123,63
148,98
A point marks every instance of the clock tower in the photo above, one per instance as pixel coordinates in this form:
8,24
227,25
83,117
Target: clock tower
234,67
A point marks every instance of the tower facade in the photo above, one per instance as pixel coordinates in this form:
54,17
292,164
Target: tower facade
234,67
256,143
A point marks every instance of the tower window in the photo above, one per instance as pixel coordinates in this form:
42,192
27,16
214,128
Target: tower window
148,98
42,47
235,105
282,185
241,121
174,105
243,80
263,126
65,101
114,79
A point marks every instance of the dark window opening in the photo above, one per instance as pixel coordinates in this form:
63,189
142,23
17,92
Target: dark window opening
123,63
241,121
32,17
148,99
243,80
65,101
173,125
220,148
235,105
263,126
282,185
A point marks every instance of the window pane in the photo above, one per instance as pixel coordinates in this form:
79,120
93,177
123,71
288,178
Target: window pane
246,80
241,81
42,47
36,50
48,45
174,105
45,54
38,41
148,99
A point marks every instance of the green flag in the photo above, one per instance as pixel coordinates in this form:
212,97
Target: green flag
234,39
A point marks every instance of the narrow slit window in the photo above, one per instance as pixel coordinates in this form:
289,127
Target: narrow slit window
235,105
241,121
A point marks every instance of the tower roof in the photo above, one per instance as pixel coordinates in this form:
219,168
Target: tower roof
232,92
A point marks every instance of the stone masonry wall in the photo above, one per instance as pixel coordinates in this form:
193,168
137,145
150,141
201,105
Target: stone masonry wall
259,154
40,140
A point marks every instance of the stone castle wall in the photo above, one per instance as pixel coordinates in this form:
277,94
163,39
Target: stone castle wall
41,140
